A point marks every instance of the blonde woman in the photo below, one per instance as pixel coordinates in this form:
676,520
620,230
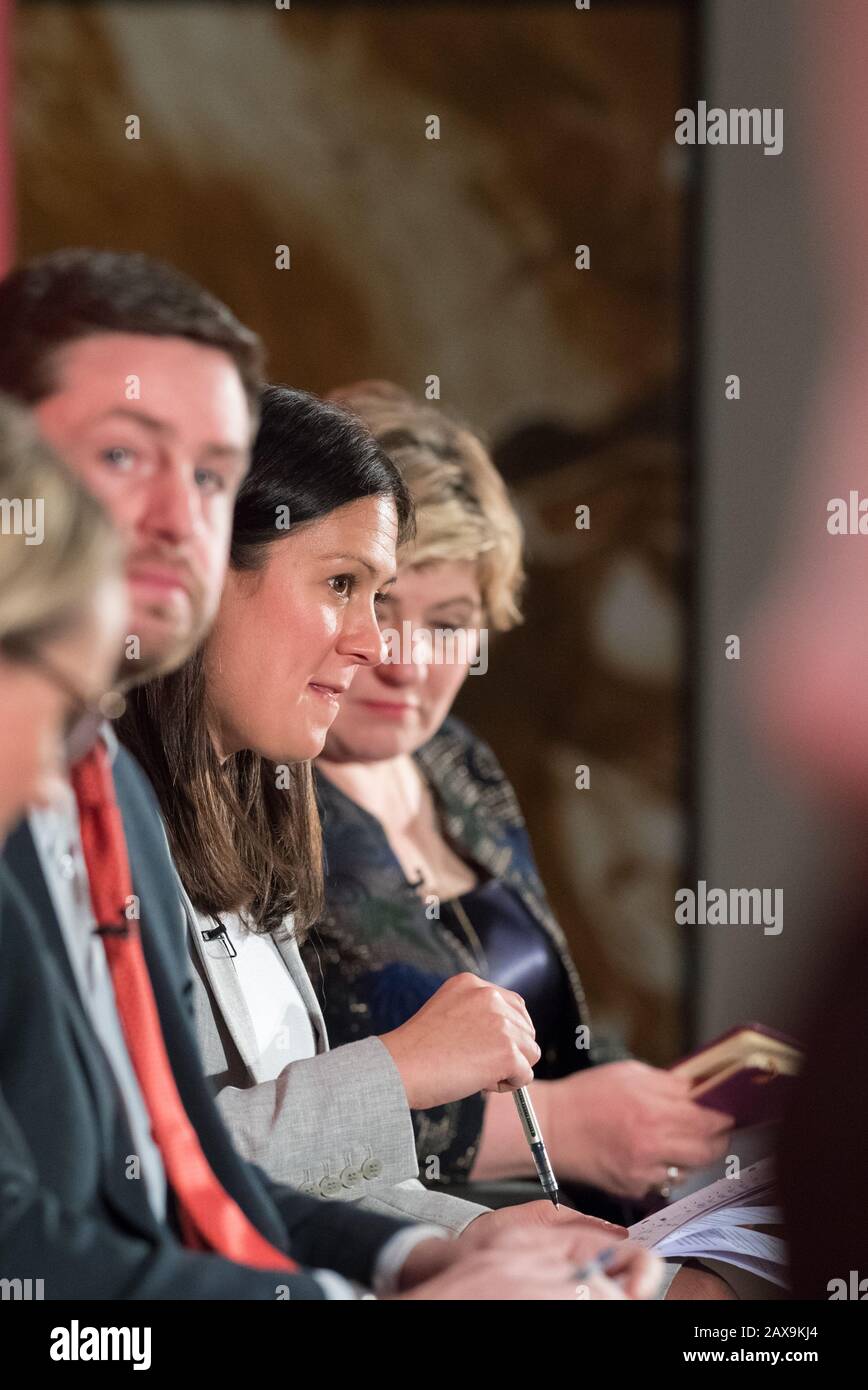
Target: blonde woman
430,871
62,609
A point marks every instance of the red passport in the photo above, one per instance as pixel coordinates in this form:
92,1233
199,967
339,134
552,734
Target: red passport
748,1072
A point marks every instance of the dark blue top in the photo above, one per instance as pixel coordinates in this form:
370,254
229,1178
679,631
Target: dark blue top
381,950
517,954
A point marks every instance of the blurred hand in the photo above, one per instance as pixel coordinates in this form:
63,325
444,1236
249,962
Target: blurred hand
620,1126
524,1265
469,1036
588,1234
585,1237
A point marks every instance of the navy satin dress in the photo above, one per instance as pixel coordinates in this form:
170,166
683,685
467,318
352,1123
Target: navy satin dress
516,953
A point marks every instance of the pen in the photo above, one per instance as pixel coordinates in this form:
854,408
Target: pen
537,1146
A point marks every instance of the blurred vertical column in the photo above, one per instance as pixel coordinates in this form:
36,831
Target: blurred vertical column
7,202
762,319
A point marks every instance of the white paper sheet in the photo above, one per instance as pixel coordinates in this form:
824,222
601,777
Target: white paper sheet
715,1223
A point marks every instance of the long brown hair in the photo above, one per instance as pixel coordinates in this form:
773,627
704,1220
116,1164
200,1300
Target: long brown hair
242,836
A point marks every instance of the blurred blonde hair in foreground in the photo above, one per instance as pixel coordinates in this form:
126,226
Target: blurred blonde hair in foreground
46,578
463,511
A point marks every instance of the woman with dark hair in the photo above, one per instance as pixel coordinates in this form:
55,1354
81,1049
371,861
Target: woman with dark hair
226,741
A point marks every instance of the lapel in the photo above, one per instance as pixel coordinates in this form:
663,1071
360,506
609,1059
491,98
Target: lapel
115,1138
222,978
289,950
23,861
168,961
127,1198
94,1064
219,968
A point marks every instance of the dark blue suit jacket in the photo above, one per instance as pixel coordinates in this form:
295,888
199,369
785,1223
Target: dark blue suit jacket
68,1212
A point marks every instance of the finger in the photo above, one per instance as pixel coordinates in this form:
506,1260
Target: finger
520,1074
501,1003
718,1118
521,1031
666,1083
690,1118
660,1179
515,1009
603,1288
685,1157
637,1270
531,1273
575,1219
512,998
529,1049
524,1046
643,1278
692,1122
694,1151
519,1017
685,1082
515,1080
587,1247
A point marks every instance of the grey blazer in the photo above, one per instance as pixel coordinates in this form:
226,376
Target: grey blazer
337,1124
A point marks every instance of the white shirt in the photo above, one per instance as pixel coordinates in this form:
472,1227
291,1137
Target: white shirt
280,1019
283,1028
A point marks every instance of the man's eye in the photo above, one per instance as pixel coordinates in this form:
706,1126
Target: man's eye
209,481
120,459
343,584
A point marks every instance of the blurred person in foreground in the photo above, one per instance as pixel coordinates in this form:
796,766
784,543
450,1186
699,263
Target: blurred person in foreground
811,696
62,615
62,610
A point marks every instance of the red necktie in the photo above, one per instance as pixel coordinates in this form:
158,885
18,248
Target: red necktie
209,1218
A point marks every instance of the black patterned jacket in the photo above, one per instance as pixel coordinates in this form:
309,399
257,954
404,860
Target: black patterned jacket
379,953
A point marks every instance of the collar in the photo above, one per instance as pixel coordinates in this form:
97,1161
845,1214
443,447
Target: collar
85,735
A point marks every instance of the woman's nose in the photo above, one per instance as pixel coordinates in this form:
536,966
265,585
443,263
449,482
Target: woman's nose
364,641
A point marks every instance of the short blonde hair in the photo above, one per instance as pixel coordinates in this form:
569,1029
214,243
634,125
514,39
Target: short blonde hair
44,586
463,510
